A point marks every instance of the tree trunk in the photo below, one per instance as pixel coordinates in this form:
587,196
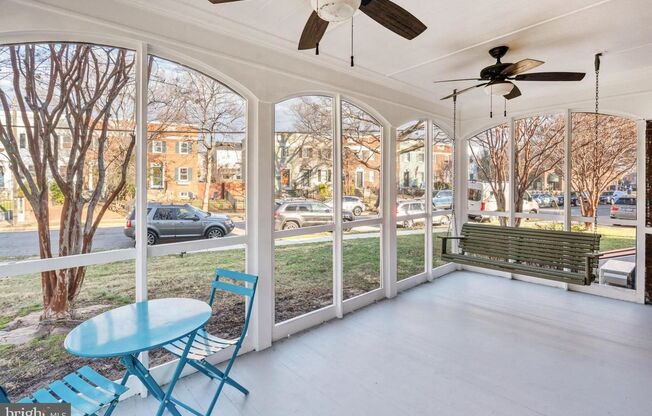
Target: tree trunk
209,179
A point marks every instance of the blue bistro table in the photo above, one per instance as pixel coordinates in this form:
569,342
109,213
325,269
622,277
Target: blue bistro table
129,330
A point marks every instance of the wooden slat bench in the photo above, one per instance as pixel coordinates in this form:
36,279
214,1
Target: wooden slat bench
564,256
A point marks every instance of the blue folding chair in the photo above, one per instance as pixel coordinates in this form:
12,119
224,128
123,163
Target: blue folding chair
85,390
206,344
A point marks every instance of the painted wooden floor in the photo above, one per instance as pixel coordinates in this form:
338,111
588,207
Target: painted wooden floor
466,344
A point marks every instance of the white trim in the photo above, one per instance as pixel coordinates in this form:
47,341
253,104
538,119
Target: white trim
389,209
224,243
641,270
317,229
300,323
338,267
362,300
20,268
428,198
412,281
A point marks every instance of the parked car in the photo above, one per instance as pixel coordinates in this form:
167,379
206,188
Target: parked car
180,222
624,208
351,203
293,214
415,207
544,200
442,199
610,197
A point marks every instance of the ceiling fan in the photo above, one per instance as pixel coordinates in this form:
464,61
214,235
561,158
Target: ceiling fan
385,12
499,76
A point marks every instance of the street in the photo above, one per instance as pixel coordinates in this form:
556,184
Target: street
25,243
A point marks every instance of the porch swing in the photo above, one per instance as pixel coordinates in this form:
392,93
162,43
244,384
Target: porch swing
562,256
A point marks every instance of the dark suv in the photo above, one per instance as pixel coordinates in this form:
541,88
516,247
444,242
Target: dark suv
293,214
180,222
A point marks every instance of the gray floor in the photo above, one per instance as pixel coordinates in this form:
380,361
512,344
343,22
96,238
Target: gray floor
466,344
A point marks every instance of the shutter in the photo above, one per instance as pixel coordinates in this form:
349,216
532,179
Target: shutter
189,174
149,147
177,146
176,175
165,146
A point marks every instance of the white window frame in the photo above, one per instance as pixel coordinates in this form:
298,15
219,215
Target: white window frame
152,184
180,180
184,148
157,146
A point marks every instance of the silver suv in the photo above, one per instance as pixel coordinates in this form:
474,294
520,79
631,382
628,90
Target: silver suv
180,222
293,214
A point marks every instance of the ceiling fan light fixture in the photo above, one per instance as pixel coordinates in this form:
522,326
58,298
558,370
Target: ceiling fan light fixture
335,10
499,88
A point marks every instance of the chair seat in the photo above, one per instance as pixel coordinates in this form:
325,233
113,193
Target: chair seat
85,390
203,346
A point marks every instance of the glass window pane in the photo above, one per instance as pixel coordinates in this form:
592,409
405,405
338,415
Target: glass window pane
442,170
303,270
196,151
85,174
603,167
32,353
488,171
410,161
165,281
410,249
361,162
361,260
303,161
441,226
539,164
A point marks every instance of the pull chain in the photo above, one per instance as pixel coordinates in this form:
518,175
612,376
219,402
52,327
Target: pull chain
317,45
491,102
505,108
352,61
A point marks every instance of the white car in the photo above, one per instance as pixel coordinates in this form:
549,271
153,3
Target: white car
351,203
481,198
414,207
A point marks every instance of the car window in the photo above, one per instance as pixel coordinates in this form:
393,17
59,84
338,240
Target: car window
320,208
303,208
475,195
186,213
291,208
165,214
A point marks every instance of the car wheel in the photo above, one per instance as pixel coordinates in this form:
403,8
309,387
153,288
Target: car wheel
533,211
290,225
215,232
445,220
152,238
408,224
357,211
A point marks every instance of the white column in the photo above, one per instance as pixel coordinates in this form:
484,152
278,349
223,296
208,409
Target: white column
141,173
389,211
338,284
260,197
141,185
568,141
640,213
511,148
428,199
460,165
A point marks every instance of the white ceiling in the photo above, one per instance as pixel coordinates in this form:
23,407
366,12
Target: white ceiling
564,33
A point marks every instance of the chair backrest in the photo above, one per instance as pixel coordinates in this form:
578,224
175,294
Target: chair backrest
4,398
546,248
248,289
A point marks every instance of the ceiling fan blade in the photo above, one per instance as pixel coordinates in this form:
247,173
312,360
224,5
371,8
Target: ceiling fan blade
393,17
222,1
521,66
464,90
312,32
551,76
513,94
456,80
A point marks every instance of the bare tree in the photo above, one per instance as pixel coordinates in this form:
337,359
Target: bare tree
65,96
488,152
539,149
600,161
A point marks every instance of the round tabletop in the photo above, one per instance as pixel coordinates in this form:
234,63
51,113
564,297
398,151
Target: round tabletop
137,327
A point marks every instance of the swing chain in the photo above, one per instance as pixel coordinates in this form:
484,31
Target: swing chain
596,131
453,222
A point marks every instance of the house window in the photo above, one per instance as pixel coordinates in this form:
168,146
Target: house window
156,180
305,177
158,146
66,141
22,140
326,154
184,148
306,152
372,176
184,175
420,157
359,179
